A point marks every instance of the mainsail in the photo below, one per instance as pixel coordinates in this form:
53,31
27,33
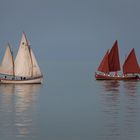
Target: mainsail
23,62
113,57
7,65
131,64
104,67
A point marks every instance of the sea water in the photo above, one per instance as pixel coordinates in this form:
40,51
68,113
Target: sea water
70,105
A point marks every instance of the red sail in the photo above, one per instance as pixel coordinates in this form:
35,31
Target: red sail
113,57
131,64
103,67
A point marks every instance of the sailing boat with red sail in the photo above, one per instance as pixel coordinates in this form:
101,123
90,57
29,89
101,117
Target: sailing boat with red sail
110,65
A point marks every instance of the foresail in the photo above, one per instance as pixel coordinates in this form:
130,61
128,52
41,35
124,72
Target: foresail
36,69
23,63
7,64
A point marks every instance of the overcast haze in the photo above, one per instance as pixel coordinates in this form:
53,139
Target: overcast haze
71,29
69,38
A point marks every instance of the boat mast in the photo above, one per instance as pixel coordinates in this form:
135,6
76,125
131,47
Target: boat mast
28,45
13,65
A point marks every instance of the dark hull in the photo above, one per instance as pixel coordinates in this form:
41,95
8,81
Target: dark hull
109,77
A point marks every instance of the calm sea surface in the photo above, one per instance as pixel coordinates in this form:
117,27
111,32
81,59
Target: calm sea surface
70,105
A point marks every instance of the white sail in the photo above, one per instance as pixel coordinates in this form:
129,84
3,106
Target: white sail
36,70
23,62
7,64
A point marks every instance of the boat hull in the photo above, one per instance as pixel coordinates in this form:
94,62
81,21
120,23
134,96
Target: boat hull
35,80
109,77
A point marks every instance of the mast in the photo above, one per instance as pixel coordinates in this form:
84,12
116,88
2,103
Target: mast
104,67
131,64
35,71
13,64
113,57
29,52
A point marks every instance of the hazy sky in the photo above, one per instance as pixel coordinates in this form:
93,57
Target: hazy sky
71,29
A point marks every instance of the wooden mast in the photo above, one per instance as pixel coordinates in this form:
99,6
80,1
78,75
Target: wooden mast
29,52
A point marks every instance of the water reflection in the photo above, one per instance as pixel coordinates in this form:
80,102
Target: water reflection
110,99
111,86
131,109
17,108
120,109
131,87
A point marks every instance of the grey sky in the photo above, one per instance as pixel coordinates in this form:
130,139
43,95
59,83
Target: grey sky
71,29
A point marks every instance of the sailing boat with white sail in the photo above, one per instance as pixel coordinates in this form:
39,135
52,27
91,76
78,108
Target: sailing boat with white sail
24,69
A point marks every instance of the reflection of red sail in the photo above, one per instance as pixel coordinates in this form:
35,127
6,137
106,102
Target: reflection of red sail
131,64
113,57
104,67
